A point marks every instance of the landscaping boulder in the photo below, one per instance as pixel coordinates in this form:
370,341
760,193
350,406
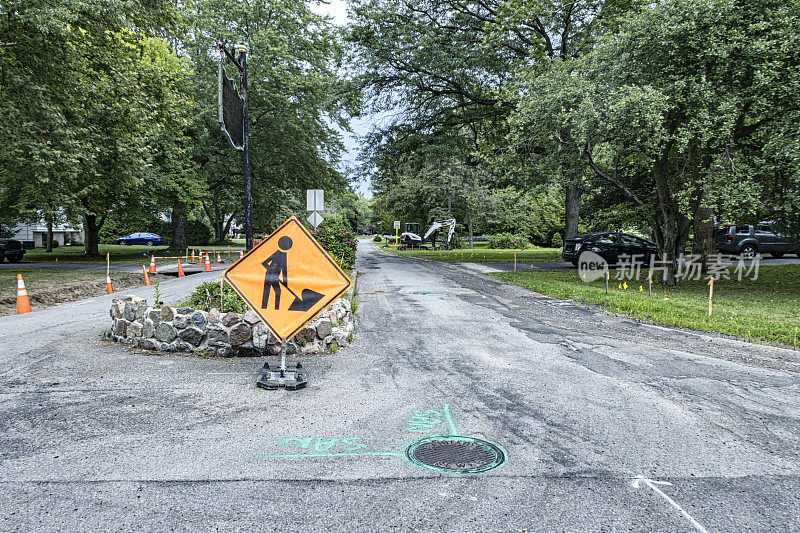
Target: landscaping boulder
250,317
165,332
167,313
240,333
192,335
180,321
217,336
230,319
199,319
135,329
324,328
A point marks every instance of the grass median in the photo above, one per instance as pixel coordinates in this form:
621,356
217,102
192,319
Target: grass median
765,310
479,254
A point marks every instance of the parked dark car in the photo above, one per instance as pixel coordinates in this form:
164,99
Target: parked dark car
12,250
609,246
747,241
149,239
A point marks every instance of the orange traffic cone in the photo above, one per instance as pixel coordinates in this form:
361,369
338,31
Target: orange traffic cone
146,277
219,258
152,264
207,267
180,271
23,304
109,288
192,260
241,254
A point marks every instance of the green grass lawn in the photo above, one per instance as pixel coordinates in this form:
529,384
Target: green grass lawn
766,310
119,253
479,254
75,254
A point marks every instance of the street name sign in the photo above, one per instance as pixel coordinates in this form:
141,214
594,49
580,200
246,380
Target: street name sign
287,279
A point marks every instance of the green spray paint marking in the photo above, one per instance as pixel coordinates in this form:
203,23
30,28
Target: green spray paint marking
322,444
355,454
449,419
423,421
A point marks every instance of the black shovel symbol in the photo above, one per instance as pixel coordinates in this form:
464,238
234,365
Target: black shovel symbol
276,266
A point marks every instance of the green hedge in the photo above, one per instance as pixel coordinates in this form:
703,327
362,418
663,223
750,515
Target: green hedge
377,238
507,241
339,241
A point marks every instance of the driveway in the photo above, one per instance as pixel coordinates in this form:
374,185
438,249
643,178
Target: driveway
591,422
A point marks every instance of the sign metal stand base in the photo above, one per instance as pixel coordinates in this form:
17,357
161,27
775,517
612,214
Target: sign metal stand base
291,377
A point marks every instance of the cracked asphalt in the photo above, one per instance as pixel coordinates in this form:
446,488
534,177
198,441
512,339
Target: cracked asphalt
95,436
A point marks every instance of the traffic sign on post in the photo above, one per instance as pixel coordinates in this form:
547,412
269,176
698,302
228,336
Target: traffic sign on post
396,224
288,279
315,201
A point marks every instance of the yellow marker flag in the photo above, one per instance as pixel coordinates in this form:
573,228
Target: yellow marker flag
619,286
640,288
625,285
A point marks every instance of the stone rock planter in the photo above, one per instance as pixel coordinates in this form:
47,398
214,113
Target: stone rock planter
215,334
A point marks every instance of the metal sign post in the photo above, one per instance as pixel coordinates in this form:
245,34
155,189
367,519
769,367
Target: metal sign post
248,200
396,232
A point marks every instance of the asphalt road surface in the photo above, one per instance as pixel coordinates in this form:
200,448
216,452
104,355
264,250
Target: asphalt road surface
601,424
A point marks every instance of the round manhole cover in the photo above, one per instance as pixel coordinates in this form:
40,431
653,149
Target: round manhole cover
455,454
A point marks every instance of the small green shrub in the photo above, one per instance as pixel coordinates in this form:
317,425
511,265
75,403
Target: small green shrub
558,241
206,296
338,241
507,241
377,238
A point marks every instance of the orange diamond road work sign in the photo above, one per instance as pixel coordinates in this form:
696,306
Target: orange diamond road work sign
287,279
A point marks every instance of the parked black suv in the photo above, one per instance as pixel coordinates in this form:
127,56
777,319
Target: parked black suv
12,250
609,246
748,241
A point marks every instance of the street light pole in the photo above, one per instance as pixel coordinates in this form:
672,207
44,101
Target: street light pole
248,200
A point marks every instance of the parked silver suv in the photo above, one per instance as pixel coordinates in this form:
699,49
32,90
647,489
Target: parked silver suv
747,241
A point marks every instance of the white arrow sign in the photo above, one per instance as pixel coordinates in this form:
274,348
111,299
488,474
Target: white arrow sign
653,484
315,219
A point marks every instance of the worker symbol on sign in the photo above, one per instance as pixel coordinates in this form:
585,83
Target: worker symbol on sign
277,274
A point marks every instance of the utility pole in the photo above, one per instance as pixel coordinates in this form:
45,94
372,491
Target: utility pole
248,200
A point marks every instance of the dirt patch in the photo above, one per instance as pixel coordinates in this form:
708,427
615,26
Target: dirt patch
71,292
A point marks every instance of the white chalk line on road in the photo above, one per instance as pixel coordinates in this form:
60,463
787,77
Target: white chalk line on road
654,485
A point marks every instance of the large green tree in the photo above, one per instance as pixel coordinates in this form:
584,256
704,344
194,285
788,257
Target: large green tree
684,108
298,103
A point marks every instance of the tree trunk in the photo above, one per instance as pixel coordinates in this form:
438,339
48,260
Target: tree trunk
48,248
471,236
178,231
673,226
703,222
572,209
92,230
